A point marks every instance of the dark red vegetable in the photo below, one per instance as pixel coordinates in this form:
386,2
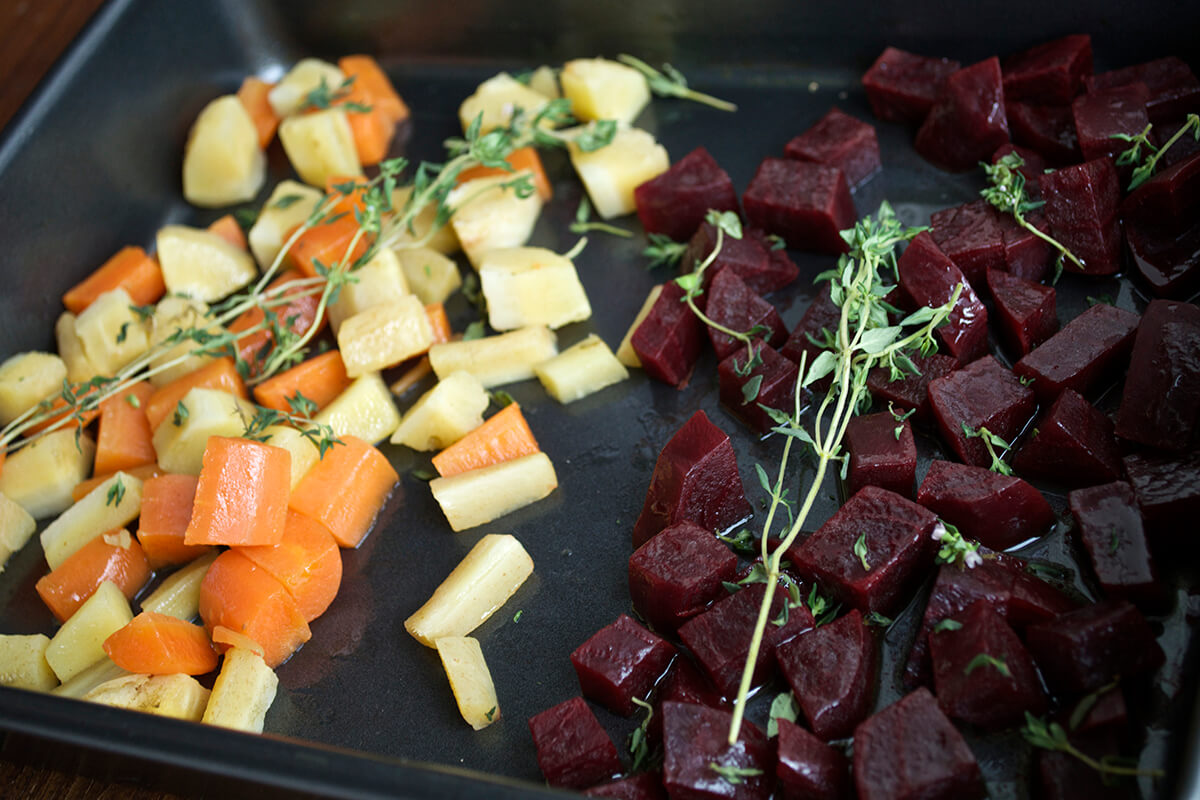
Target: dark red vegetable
1072,444
1167,490
911,391
928,277
1109,526
674,575
882,453
675,202
820,319
967,121
685,683
1051,72
1083,650
733,304
1105,113
643,786
1032,166
1081,208
999,511
983,394
619,662
806,204
902,86
1048,130
573,749
775,378
669,340
695,740
1062,776
1090,349
809,769
1169,197
764,270
1174,90
1026,310
842,141
972,236
1160,406
1166,256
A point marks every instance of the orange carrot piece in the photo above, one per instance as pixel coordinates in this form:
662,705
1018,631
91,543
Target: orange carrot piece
115,556
223,639
436,312
230,230
319,379
373,82
167,502
60,403
253,94
125,439
413,375
238,594
345,199
130,269
503,436
158,644
307,562
297,315
345,490
327,243
142,473
372,132
524,158
242,493
220,373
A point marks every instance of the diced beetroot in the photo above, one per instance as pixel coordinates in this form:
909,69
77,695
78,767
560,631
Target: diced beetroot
677,573
1033,163
1105,113
670,338
882,453
1174,90
983,394
1109,526
839,140
1089,349
929,278
720,637
902,86
911,751
1167,489
1026,255
697,737
809,769
764,270
1184,147
736,306
1168,198
1160,406
643,786
911,391
982,673
1109,713
776,380
899,548
685,683
967,121
695,478
619,662
805,203
1081,208
1026,310
1082,650
1166,256
971,236
821,317
1049,130
781,270
1073,444
675,202
1000,511
833,672
1051,72
573,749
1062,776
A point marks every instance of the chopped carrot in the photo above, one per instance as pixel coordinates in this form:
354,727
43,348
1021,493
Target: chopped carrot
125,438
157,644
296,315
370,88
521,159
370,78
319,379
167,502
411,376
326,244
142,473
224,638
503,436
372,132
348,193
253,94
60,403
230,230
242,493
220,373
345,490
238,594
439,322
130,269
115,556
307,562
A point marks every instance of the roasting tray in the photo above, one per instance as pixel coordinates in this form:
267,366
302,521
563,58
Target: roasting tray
92,163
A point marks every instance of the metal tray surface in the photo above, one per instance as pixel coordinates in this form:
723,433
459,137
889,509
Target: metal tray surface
92,164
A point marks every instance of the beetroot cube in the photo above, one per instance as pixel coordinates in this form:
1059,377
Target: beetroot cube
1000,511
736,306
1169,197
669,340
687,684
901,86
619,662
695,738
809,769
676,202
781,270
928,277
1166,256
1183,148
967,122
819,322
1026,255
911,751
839,140
982,673
807,204
573,749
643,786
882,453
1167,489
1108,714
896,536
1062,776
1026,310
1105,113
675,574
833,672
1051,72
764,270
911,391
1082,650
771,383
1089,349
1073,444
1110,528
972,236
982,394
695,478
1081,208
1048,130
1160,406
1174,90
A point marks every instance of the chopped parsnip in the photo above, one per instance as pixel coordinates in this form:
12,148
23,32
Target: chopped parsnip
496,360
431,276
481,495
288,206
16,527
489,214
181,437
179,595
496,99
603,89
84,681
111,505
582,369
41,475
23,663
200,264
381,280
79,643
26,379
470,680
320,146
611,173
178,696
242,693
449,411
531,286
365,409
223,163
176,313
307,74
111,333
70,349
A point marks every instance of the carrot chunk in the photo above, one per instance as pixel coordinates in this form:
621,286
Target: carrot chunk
306,561
114,556
220,373
319,379
157,644
167,503
370,78
130,269
346,200
327,243
503,436
125,439
345,490
142,473
67,410
439,322
521,159
370,89
253,94
228,229
296,315
241,495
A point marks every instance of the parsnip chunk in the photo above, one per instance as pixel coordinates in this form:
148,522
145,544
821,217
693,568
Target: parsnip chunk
242,693
223,163
481,495
200,264
496,360
181,437
288,206
26,379
307,74
365,409
111,332
381,280
443,415
79,643
179,594
320,146
178,696
496,99
41,475
384,335
470,680
531,286
580,370
16,527
112,504
611,173
23,663
489,214
603,89
430,275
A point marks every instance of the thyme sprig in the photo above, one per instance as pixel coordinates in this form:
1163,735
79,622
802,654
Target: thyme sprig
1006,191
990,442
663,250
955,548
583,222
1146,163
1051,736
670,82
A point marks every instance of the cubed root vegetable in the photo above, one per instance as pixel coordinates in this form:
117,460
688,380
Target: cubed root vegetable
531,286
288,207
111,505
178,696
496,360
320,144
223,162
167,502
519,160
182,437
503,436
23,663
319,379
306,561
384,335
200,264
124,439
158,644
220,374
179,595
79,643
142,473
89,678
40,476
482,582
582,369
242,493
489,214
470,680
603,89
26,379
242,693
346,489
16,528
115,557
364,410
482,495
444,414
129,268
611,173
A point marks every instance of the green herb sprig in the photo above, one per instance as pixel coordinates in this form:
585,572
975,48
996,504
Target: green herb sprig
1145,163
1006,191
734,775
670,82
1051,736
955,548
663,250
583,222
990,442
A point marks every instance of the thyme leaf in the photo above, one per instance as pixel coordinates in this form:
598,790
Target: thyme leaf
670,82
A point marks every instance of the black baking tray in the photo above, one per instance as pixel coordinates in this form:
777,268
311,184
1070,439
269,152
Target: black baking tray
92,163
